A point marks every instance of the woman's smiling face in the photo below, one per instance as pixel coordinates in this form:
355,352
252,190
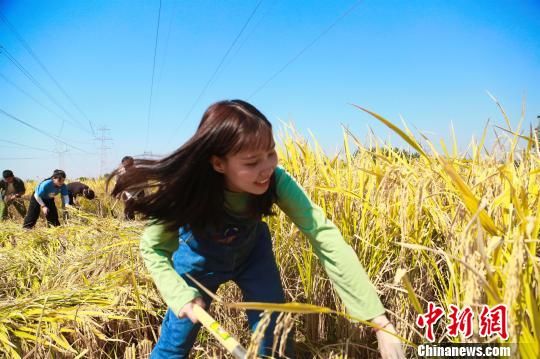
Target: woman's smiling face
247,171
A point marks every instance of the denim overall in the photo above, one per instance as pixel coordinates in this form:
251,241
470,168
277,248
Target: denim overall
247,260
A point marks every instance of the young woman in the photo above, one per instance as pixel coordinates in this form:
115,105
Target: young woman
42,200
206,208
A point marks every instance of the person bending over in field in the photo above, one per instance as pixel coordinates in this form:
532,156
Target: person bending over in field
126,196
11,190
76,189
42,200
206,220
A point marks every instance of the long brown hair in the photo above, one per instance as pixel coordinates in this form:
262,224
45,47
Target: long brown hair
185,189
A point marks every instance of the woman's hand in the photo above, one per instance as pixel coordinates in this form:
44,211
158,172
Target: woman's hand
389,345
45,210
187,310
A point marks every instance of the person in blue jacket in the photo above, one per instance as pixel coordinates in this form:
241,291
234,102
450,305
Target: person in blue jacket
42,200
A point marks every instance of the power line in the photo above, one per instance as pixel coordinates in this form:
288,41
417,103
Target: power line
165,52
40,130
253,29
61,128
38,85
26,146
152,84
147,155
218,66
31,52
222,62
301,52
32,97
22,158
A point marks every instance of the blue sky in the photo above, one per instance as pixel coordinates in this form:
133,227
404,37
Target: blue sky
430,62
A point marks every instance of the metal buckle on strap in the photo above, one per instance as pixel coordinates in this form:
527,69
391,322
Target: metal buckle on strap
229,235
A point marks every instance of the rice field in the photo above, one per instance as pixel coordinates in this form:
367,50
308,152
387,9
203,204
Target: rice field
434,227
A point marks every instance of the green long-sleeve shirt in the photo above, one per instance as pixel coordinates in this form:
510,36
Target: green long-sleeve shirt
337,257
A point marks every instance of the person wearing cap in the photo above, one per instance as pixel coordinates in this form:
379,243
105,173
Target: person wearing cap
42,200
76,189
11,190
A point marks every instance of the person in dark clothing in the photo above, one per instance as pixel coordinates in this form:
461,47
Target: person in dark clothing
127,162
76,189
43,200
127,196
11,190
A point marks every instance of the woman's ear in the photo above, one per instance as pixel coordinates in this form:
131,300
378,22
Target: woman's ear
218,164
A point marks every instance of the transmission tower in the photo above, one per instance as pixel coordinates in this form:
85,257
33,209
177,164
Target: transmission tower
61,150
105,141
